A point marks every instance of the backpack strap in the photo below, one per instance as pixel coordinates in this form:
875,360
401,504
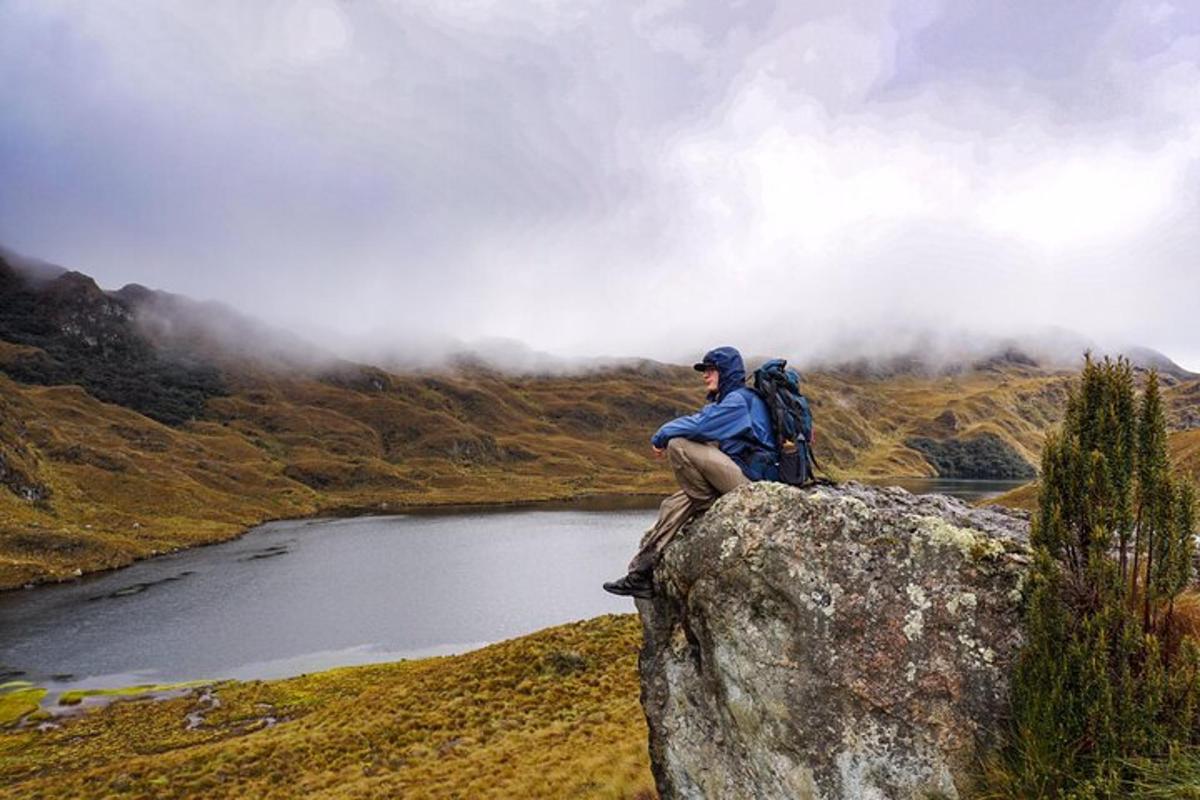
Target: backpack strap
815,481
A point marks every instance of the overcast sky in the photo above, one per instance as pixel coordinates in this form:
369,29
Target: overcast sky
620,178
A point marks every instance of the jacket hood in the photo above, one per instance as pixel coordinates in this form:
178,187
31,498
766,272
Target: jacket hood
730,369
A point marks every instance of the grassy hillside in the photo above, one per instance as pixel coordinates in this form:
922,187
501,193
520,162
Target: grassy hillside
93,484
1185,455
1185,451
554,714
121,437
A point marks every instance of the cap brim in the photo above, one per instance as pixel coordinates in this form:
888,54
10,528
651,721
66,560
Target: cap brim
700,366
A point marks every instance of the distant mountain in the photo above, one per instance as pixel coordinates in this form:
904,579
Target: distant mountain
1059,350
69,331
1146,358
138,421
32,269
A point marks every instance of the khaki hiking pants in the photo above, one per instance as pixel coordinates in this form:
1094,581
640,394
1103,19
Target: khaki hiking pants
704,473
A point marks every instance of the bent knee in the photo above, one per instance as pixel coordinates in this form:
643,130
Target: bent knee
678,450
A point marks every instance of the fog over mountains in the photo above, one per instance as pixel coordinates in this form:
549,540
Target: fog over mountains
624,180
218,334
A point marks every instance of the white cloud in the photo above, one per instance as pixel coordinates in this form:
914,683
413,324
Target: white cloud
1083,200
591,178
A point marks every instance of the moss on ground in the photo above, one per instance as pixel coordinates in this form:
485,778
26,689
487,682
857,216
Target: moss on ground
554,714
19,699
74,697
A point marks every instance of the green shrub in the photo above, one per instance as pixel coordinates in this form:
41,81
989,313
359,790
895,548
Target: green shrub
1105,682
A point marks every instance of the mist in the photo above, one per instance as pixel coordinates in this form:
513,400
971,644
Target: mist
561,182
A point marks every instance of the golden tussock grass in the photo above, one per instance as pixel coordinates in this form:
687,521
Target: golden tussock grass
1184,447
1184,616
122,487
550,715
1185,451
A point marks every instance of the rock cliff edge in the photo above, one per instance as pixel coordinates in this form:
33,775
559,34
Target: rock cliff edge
836,642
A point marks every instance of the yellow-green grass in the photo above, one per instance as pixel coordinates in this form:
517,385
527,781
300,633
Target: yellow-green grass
19,699
1024,497
73,697
1185,451
1185,456
553,714
123,487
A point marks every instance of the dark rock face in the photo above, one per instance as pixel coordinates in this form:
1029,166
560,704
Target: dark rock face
979,457
91,338
849,642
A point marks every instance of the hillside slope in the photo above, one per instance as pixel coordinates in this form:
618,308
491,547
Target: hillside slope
553,714
1183,449
94,485
128,427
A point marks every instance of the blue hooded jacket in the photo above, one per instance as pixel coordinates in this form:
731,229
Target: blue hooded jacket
735,416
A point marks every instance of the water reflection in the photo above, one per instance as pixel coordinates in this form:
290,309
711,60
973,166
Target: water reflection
969,490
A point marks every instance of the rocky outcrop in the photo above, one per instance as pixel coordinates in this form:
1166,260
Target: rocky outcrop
72,332
850,642
984,456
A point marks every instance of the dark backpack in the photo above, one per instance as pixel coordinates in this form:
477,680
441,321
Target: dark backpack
791,419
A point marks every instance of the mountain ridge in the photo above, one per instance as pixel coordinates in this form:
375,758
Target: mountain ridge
926,356
89,480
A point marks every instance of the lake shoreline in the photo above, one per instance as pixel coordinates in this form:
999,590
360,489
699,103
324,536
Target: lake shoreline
588,501
307,595
309,725
351,573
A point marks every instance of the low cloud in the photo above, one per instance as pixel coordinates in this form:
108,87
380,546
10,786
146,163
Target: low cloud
594,179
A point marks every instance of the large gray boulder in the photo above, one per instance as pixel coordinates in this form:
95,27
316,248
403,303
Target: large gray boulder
851,642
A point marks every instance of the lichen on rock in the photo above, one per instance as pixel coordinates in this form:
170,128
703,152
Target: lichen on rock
835,642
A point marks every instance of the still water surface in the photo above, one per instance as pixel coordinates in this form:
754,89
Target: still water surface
304,595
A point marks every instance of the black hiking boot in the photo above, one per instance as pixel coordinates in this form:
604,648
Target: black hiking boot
635,584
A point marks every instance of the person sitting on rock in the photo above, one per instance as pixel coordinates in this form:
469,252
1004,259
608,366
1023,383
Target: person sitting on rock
724,445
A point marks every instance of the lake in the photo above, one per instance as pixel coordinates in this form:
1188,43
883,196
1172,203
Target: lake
305,595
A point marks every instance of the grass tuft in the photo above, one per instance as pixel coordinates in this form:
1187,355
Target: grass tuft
19,699
554,714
